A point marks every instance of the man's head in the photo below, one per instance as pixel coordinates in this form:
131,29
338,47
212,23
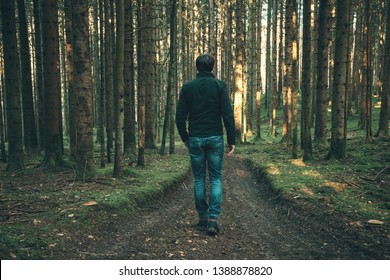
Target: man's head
205,62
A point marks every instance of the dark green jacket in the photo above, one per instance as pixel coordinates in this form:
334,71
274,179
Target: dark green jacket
205,101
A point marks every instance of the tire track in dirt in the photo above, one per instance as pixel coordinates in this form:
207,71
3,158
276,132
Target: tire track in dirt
253,226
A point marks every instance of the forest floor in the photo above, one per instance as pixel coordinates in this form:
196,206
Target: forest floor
256,224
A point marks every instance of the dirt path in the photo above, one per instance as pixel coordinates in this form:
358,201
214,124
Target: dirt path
254,225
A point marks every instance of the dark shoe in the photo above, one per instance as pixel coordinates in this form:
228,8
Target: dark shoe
213,228
202,225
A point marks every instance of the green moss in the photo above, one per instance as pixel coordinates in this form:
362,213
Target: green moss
350,186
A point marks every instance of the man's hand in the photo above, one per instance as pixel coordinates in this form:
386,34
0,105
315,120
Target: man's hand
230,149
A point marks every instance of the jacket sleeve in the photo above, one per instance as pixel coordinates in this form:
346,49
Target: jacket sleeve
181,116
227,115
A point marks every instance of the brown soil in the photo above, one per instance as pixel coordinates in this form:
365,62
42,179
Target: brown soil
255,224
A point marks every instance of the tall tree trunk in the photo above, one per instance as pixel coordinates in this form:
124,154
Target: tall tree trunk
274,85
268,74
2,134
366,70
53,152
141,83
295,78
320,131
109,32
148,42
259,7
30,132
12,87
83,86
72,97
213,30
383,128
39,73
129,122
102,95
281,50
338,139
357,59
251,91
119,92
170,96
288,85
238,70
306,85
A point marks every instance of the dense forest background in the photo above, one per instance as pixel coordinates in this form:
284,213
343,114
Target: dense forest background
105,74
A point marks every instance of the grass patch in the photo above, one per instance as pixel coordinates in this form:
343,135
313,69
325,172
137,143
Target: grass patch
357,186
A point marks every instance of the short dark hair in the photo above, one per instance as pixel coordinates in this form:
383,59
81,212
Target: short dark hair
205,62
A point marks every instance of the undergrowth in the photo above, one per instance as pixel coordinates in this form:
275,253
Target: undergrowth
357,186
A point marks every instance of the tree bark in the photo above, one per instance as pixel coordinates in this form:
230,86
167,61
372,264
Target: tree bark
53,152
383,128
367,70
82,82
129,122
119,81
338,139
72,97
39,73
320,131
306,82
30,132
259,6
141,84
12,88
148,64
238,70
109,46
170,96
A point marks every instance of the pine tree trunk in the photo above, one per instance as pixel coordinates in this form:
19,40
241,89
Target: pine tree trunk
39,73
274,73
259,7
170,96
109,45
281,50
367,71
83,86
268,75
213,35
12,87
238,70
288,84
119,81
2,136
53,152
320,132
148,42
295,78
102,96
129,114
141,84
251,65
30,132
72,97
383,128
306,79
338,139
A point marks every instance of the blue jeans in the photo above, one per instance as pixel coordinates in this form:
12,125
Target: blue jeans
207,151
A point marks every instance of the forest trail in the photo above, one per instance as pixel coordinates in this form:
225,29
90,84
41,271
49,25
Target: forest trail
254,225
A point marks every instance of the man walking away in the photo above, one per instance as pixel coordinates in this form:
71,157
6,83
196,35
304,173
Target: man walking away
205,102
